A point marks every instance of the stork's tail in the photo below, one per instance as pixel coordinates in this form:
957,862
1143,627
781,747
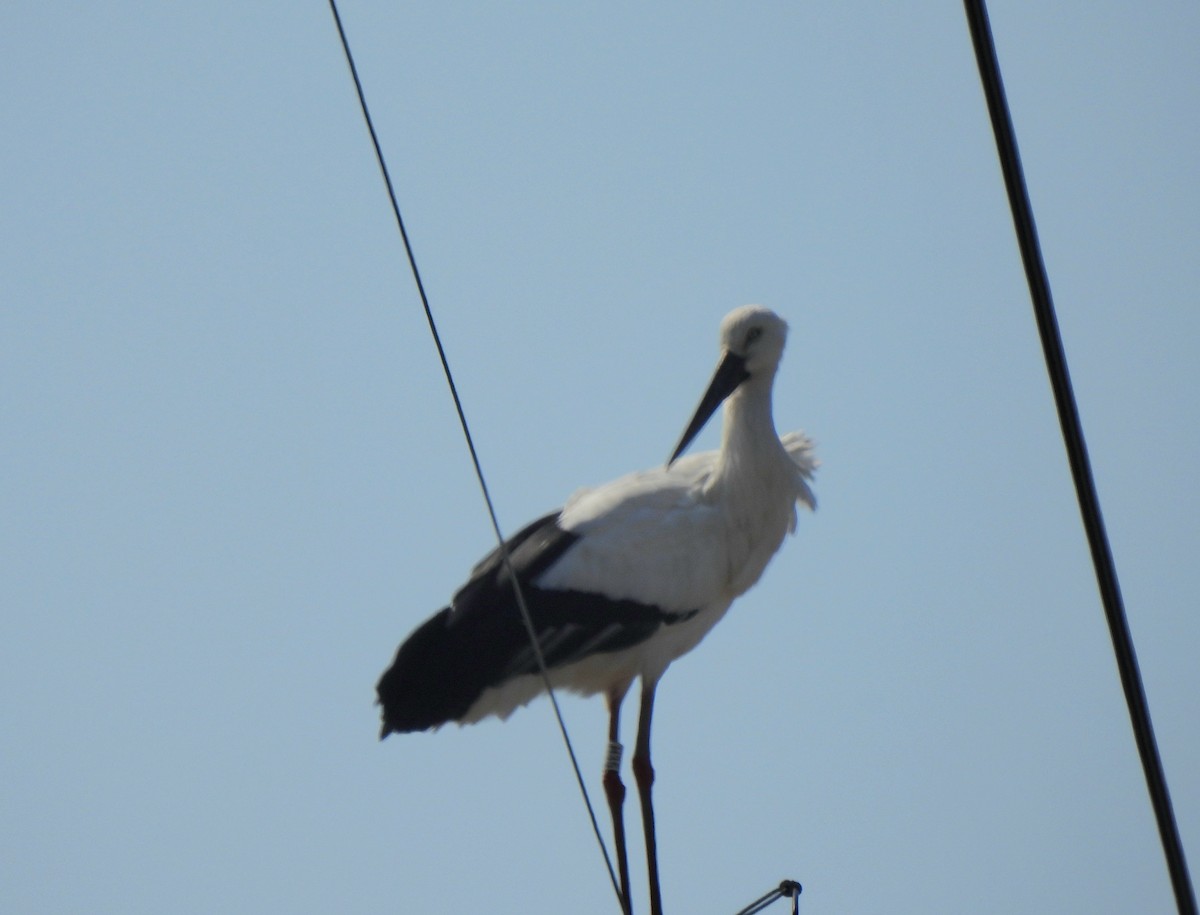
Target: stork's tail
427,684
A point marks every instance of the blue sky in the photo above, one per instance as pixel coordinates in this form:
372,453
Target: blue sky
233,480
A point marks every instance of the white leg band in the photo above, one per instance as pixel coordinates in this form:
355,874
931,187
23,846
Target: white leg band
612,761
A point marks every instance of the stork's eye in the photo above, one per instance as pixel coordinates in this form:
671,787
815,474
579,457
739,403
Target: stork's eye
753,334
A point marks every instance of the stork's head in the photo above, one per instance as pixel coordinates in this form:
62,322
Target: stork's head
754,335
752,339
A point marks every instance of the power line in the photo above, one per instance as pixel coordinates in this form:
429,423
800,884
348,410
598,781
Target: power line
1072,430
462,418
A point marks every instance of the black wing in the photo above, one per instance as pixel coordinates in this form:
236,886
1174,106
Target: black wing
480,640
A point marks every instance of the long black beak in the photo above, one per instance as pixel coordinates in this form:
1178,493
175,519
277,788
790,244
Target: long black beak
729,374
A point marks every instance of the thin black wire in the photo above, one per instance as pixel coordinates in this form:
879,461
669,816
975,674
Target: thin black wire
788,889
462,418
1072,430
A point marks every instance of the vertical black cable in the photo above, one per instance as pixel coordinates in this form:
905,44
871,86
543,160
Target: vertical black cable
1085,487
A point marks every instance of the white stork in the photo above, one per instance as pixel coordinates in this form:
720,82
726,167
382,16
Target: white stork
623,580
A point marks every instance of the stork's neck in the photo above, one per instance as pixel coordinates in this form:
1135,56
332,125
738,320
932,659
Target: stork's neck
750,447
755,483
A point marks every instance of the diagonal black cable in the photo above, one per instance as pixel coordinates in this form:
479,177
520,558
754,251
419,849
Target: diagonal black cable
788,889
1085,487
462,418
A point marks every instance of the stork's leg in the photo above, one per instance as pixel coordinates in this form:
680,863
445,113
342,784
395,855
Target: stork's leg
644,773
614,790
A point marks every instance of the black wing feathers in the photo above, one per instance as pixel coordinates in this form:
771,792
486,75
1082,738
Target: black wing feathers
480,640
